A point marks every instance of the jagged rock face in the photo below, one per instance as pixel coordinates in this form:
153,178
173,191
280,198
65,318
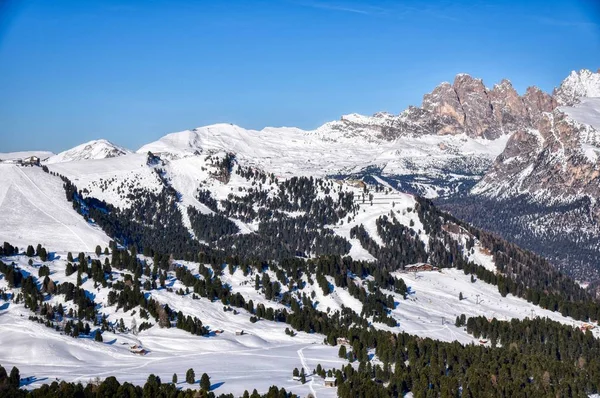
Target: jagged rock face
476,104
468,107
549,162
442,106
537,102
508,107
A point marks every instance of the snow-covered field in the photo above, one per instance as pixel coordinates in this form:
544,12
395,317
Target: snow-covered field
34,209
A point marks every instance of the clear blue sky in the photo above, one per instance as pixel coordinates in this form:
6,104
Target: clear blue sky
130,72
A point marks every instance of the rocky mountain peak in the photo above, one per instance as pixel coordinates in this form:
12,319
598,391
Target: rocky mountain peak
537,102
577,85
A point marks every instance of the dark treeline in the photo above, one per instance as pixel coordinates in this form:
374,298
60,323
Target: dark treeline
562,233
111,387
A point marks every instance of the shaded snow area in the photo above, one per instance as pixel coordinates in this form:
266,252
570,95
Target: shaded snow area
34,209
585,112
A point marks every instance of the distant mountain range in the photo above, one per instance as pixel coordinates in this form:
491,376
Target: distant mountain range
476,151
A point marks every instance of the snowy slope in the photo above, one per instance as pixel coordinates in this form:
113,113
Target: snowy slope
96,149
263,356
235,363
326,151
585,112
34,209
110,179
25,154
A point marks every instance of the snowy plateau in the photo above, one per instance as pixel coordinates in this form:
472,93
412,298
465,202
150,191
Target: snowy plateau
209,173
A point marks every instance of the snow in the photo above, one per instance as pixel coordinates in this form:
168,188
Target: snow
263,356
25,154
96,149
585,112
126,172
584,83
334,148
436,296
34,209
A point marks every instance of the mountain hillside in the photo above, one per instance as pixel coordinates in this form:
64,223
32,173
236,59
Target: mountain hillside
217,266
542,191
97,149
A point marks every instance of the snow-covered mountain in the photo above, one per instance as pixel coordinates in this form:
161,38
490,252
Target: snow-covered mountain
542,191
96,149
234,246
581,84
464,140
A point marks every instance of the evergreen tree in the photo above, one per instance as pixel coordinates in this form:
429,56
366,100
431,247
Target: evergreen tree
205,382
174,379
190,376
98,251
14,380
30,252
342,352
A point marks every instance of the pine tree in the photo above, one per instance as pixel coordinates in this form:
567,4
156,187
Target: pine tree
174,379
205,382
30,252
70,257
98,336
190,376
460,296
3,375
43,254
14,379
342,352
98,251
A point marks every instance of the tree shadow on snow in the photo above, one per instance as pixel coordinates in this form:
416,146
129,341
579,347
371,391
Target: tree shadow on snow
216,385
32,379
113,341
4,306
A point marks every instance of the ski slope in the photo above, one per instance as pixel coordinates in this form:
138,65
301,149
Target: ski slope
34,209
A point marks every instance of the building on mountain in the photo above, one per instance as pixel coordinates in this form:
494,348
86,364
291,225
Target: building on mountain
330,382
31,161
420,267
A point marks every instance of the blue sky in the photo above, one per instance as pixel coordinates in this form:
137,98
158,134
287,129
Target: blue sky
130,72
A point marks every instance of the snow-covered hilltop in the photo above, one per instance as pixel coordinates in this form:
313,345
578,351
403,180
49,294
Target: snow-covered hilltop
96,149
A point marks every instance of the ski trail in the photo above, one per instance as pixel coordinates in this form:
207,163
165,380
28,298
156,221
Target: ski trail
307,371
43,211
